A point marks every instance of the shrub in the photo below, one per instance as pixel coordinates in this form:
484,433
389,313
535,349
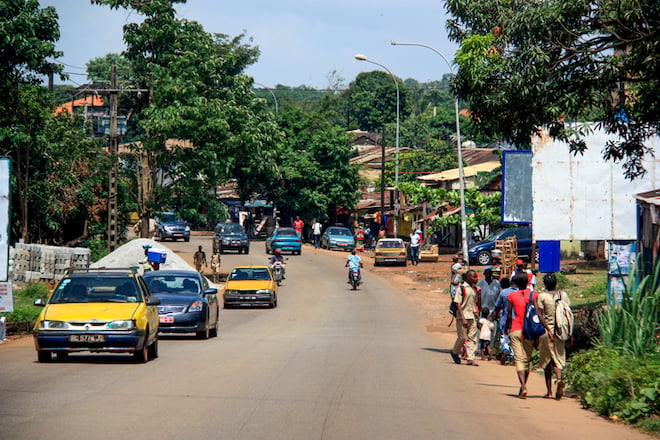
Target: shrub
632,325
34,290
618,384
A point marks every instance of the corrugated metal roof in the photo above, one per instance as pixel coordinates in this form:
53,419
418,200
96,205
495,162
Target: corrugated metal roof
469,171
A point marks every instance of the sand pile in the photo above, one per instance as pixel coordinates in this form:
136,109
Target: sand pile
132,253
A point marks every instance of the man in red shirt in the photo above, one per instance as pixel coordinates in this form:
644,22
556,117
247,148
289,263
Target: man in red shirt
298,226
522,348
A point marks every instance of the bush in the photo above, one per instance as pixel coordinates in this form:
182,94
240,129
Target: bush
33,290
616,384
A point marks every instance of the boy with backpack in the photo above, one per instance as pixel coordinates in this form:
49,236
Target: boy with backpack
553,309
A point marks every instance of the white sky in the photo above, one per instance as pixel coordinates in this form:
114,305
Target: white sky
301,41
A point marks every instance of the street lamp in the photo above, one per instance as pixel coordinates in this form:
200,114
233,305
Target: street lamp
271,92
361,57
461,177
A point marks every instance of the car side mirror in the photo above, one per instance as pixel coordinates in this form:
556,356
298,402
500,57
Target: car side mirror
153,301
40,302
211,291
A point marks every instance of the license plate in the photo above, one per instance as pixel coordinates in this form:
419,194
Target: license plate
166,319
390,260
87,338
341,244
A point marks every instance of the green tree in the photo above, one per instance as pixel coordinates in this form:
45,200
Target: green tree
310,172
372,98
525,65
197,94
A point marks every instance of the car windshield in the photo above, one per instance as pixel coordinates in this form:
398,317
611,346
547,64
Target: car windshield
167,217
340,231
389,244
96,289
287,233
232,228
180,284
244,274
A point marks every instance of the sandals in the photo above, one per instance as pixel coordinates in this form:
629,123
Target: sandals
473,364
522,394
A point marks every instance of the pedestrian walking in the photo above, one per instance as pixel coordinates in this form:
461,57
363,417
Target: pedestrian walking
501,314
199,259
467,301
215,267
552,350
298,225
522,348
415,238
486,330
359,236
316,232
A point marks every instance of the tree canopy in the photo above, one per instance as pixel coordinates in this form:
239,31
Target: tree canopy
527,65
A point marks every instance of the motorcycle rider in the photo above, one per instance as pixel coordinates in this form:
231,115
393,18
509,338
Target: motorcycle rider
277,256
353,262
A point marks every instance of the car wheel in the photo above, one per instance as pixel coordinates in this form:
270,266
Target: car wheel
204,334
214,330
62,356
152,351
142,355
44,356
483,257
157,237
186,239
247,251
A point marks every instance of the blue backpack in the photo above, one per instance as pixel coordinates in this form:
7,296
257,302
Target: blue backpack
532,327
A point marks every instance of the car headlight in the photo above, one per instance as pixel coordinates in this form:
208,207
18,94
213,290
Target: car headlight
122,325
231,292
53,325
332,240
197,306
187,229
168,228
263,291
225,241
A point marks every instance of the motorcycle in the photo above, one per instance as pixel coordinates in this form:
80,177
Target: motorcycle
278,271
355,278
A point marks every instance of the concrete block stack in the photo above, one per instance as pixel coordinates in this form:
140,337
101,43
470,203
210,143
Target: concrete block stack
34,262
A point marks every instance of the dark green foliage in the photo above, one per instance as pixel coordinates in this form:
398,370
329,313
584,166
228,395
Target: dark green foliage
527,65
616,384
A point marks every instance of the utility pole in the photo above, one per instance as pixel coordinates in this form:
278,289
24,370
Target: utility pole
113,149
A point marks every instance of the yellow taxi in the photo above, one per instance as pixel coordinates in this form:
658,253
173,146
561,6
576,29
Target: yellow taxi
390,251
250,286
104,310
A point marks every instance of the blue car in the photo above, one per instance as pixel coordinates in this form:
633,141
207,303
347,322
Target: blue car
188,304
284,239
480,252
337,237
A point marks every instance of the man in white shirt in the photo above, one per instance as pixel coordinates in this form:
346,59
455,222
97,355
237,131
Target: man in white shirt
414,247
316,232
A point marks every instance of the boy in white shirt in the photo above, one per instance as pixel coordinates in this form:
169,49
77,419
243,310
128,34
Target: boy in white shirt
486,328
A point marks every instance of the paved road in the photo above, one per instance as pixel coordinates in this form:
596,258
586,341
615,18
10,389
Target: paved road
327,363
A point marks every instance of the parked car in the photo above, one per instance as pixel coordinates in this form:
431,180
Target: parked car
230,236
169,227
336,237
284,239
250,286
187,303
480,252
390,251
98,310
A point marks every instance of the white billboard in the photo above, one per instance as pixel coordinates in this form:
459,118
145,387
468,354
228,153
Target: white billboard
584,197
5,180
